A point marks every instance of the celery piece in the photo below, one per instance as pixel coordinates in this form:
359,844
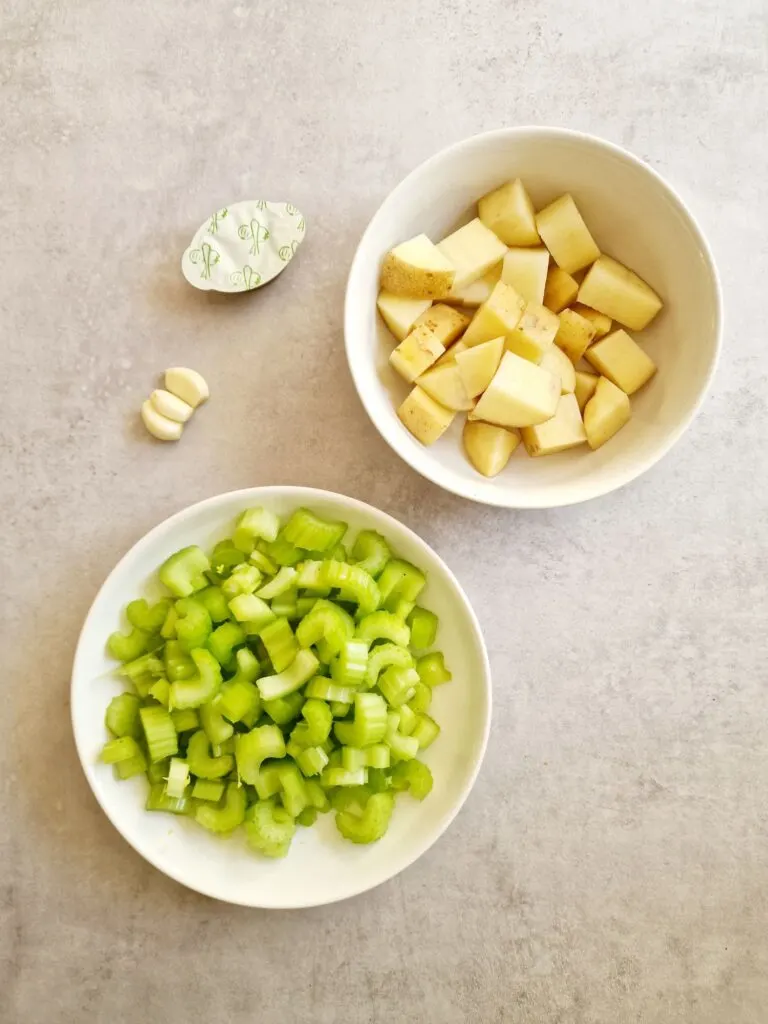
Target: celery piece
336,776
316,727
284,709
160,691
284,580
408,720
402,609
227,746
402,748
148,618
293,792
400,580
306,530
159,732
216,727
316,796
178,664
311,576
304,606
251,748
207,789
244,579
285,606
350,666
238,700
371,552
254,524
383,626
340,708
262,562
432,670
425,731
324,689
269,829
283,552
281,647
214,602
326,621
369,725
354,583
159,800
184,572
376,756
423,625
202,687
178,777
135,765
372,824
324,651
168,629
312,760
157,771
353,758
248,668
308,817
223,640
351,798
122,717
378,779
267,782
147,664
193,623
121,749
224,558
127,646
200,761
185,720
254,613
398,685
227,817
301,669
384,656
413,776
421,699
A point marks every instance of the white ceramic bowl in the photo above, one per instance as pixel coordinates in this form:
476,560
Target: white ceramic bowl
634,216
321,867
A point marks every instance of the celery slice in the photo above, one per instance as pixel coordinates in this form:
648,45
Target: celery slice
335,775
157,771
147,664
244,579
251,611
312,760
127,646
372,824
306,530
378,779
159,732
423,625
325,689
227,817
326,621
317,796
122,717
121,749
371,552
208,789
425,731
369,725
216,727
185,720
269,829
168,629
214,602
284,709
178,664
148,618
383,626
308,817
421,699
251,748
402,609
263,562
432,670
135,765
239,700
283,552
160,691
413,776
178,777
293,792
384,656
408,720
203,687
349,668
316,727
301,669
284,580
184,572
400,580
255,524
285,606
224,558
402,748
223,640
377,756
267,782
340,708
200,761
353,758
281,646
398,685
159,800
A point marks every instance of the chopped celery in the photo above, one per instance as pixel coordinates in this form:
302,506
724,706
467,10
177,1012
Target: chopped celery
159,800
227,747
148,618
160,691
383,626
398,685
284,580
216,727
400,581
324,689
224,558
121,749
147,664
338,554
251,611
214,602
202,687
243,580
238,700
157,771
304,606
369,725
422,698
306,530
178,777
284,709
326,621
312,760
423,625
227,817
185,720
353,758
184,572
308,817
127,646
413,776
376,756
247,667
340,708
122,718
261,561
382,657
159,732
408,720
178,664
255,524
371,552
269,829
208,789
301,669
317,796
402,748
432,670
351,798
200,761
283,552
350,666
286,605
425,731
223,640
316,727
267,782
293,792
334,775
251,748
371,824
281,646
354,583
135,765
402,609
168,629
378,779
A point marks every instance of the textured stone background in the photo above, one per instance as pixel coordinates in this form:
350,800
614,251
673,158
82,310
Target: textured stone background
612,862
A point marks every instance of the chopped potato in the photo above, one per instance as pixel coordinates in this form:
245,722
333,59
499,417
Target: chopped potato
478,364
599,321
416,353
445,322
560,289
520,394
574,335
489,447
585,386
472,250
565,234
607,411
400,313
499,315
564,430
473,295
418,269
557,362
449,356
508,212
619,358
534,334
426,419
526,271
618,292
444,384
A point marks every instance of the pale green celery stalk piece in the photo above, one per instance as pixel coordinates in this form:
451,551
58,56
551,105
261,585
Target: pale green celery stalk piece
285,606
121,749
147,664
376,756
317,796
267,782
371,552
184,572
284,580
157,771
178,664
350,666
193,623
325,689
335,776
284,709
384,656
244,579
308,817
353,758
281,646
369,725
373,822
168,630
251,611
303,667
148,618
269,828
205,789
122,717
256,746
408,719
400,580
316,727
185,720
306,530
135,765
159,732
402,609
293,792
127,646
255,524
326,621
432,670
160,691
425,731
223,640
422,698
312,760
340,708
263,562
159,800
283,552
304,606
227,817
216,727
402,748
202,687
200,761
215,603
383,626
239,700
423,625
398,685
351,798
413,776
178,777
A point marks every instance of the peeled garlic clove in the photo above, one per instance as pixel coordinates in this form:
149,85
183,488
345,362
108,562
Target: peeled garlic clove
158,425
186,384
171,406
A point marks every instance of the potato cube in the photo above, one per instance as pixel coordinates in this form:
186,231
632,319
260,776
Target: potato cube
611,288
400,313
585,386
607,411
499,315
565,234
416,353
619,358
574,335
508,212
472,250
418,269
478,364
557,362
444,384
445,322
426,419
560,290
449,356
534,334
564,430
473,295
489,447
600,321
520,394
526,271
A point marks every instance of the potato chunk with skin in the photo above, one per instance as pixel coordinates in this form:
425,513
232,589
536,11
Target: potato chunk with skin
472,250
574,335
607,411
535,333
498,316
425,418
585,386
526,271
565,430
521,394
508,212
560,289
478,364
489,447
400,313
449,356
445,322
418,269
444,384
557,362
619,358
416,353
565,234
473,295
613,289
599,321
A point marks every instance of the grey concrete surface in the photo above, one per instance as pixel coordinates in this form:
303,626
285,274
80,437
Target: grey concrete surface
612,863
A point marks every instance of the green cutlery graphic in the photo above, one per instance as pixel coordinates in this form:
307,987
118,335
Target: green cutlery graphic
246,278
257,234
213,224
287,252
206,255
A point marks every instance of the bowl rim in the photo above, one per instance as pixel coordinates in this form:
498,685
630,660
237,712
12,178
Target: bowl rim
431,470
302,495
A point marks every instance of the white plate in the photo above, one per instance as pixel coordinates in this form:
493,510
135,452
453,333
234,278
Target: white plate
321,867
